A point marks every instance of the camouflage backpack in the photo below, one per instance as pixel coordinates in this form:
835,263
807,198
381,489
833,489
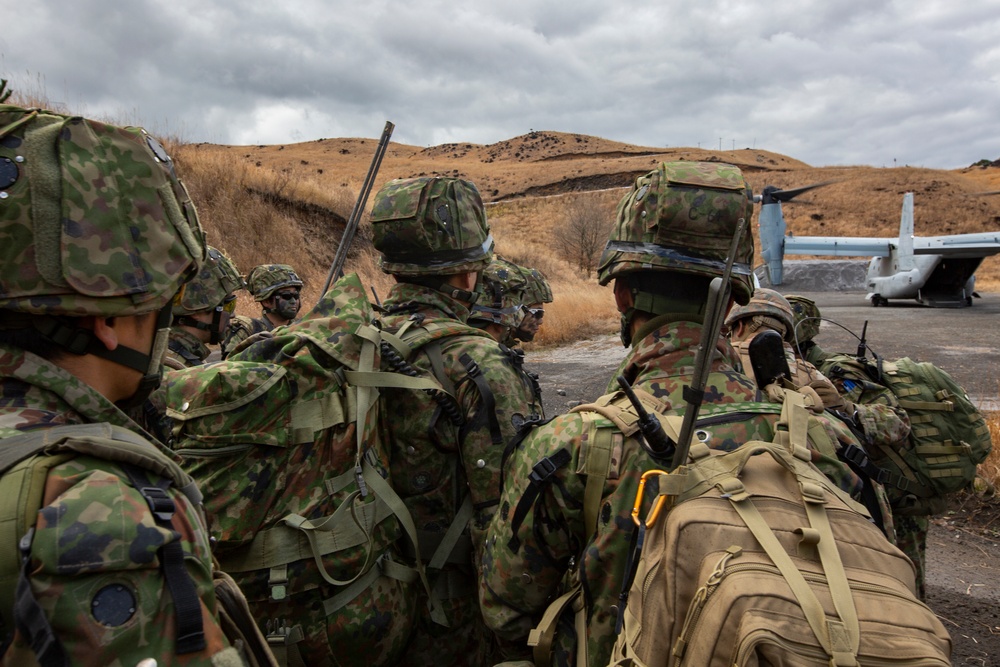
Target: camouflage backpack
754,557
282,439
25,462
948,435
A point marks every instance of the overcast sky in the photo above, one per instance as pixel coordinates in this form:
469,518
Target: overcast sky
829,82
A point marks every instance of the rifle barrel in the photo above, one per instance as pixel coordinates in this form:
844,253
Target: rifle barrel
351,228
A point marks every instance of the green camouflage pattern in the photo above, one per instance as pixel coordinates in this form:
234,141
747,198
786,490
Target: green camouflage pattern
266,279
430,226
518,584
94,220
435,463
765,303
240,328
218,279
807,315
681,217
184,350
503,288
268,434
94,530
911,538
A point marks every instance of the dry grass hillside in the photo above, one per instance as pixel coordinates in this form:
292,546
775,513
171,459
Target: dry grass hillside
287,203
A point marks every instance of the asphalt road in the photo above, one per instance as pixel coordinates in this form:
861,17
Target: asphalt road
964,341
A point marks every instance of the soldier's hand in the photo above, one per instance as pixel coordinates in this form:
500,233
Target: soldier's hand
828,394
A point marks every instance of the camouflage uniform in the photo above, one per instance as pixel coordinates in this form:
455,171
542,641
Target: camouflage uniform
212,292
439,465
241,328
184,349
882,421
262,282
105,230
807,321
526,566
264,465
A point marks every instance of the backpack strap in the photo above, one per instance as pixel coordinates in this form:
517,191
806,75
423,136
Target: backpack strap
839,637
602,440
23,482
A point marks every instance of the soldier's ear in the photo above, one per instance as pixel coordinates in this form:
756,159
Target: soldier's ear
624,299
105,330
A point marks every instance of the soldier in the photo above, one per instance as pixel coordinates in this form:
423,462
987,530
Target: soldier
510,302
564,525
503,296
97,236
278,289
885,423
769,311
202,312
807,321
434,240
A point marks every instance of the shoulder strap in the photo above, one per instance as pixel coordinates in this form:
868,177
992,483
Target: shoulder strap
25,485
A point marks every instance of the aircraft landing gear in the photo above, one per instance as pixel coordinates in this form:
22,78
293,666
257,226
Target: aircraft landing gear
879,300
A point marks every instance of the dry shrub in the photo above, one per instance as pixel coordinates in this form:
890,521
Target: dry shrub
579,310
990,468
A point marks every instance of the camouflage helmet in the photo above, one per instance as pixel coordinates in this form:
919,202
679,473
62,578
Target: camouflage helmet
430,226
681,218
266,279
769,304
536,287
807,317
217,279
500,292
93,219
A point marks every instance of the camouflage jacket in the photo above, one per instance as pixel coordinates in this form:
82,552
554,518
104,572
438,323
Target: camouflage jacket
96,538
242,327
184,350
437,463
521,576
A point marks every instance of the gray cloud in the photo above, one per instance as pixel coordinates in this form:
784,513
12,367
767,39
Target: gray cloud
828,82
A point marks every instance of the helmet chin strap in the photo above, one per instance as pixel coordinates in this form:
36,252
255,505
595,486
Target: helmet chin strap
214,336
150,365
77,340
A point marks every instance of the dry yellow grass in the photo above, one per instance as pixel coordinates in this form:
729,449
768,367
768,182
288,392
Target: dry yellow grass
287,203
990,468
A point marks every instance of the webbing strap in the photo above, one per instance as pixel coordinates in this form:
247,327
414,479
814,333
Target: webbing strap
541,636
596,468
944,406
383,566
489,404
839,638
383,489
283,544
187,606
452,535
30,619
541,472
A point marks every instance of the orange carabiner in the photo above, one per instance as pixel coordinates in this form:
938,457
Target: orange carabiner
638,499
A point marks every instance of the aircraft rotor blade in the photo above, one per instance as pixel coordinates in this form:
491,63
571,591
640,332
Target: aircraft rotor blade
772,194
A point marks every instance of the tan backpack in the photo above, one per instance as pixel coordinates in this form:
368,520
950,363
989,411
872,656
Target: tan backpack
753,557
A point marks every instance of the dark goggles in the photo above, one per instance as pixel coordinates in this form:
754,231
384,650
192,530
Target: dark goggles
288,296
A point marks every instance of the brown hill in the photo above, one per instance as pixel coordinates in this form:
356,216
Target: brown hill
288,203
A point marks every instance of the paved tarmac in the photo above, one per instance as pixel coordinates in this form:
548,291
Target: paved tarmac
963,341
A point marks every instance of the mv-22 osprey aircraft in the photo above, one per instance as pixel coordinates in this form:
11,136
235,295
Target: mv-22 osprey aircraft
933,270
